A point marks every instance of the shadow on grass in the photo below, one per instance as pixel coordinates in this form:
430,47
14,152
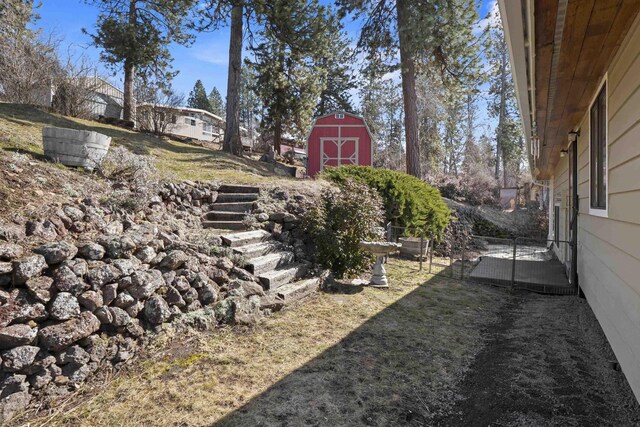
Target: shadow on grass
395,369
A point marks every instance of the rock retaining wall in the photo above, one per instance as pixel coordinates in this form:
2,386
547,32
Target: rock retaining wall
97,280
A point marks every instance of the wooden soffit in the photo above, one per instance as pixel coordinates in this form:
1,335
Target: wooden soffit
591,35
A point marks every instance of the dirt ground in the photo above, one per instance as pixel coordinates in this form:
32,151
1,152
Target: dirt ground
430,351
546,363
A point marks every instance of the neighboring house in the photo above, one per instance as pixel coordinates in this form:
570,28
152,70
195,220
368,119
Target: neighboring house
186,122
298,153
337,139
107,100
575,66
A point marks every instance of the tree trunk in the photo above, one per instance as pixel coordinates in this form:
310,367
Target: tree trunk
129,107
232,141
410,99
280,108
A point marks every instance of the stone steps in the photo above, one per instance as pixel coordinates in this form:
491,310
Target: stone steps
256,249
236,197
224,225
245,238
269,262
281,276
243,207
224,216
229,188
295,291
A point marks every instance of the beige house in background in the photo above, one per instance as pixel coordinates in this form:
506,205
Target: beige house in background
576,67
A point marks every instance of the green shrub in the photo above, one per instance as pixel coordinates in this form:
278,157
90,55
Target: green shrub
336,225
408,201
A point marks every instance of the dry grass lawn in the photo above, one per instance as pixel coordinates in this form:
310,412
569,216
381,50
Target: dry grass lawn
351,357
21,130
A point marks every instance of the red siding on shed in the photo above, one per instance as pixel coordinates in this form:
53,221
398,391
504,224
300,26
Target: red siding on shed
334,141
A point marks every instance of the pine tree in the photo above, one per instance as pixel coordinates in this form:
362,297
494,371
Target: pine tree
198,97
216,102
502,104
136,35
435,34
286,62
382,110
249,100
335,95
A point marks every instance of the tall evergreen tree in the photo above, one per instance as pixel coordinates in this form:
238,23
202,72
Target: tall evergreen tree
339,80
136,35
249,100
502,104
198,97
286,60
216,102
432,33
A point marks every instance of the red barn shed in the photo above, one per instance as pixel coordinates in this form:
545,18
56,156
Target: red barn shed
338,139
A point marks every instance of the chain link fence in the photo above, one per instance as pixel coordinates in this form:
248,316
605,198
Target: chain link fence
521,263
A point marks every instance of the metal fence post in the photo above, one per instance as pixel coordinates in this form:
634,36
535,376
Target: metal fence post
464,247
513,266
421,248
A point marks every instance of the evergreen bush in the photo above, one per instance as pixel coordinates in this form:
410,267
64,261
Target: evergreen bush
337,224
408,201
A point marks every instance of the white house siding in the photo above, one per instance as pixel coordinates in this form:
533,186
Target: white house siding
609,247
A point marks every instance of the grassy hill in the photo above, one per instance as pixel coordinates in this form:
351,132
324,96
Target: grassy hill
21,130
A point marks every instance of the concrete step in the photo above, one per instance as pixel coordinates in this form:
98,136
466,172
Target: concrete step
269,262
295,291
224,225
256,249
224,216
236,197
276,278
246,238
238,189
233,207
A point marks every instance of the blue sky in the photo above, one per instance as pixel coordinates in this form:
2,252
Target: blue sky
206,59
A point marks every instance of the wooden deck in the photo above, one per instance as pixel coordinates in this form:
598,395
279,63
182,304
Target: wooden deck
545,277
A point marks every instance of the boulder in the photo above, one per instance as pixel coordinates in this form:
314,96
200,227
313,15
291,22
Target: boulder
119,316
73,213
41,379
181,284
207,294
156,310
19,358
218,275
145,283
190,295
11,232
17,335
12,404
64,306
28,267
73,354
57,337
134,309
146,254
56,252
104,315
173,297
91,300
224,263
109,293
19,309
174,260
78,265
124,300
65,280
98,277
5,267
91,250
126,266
117,247
45,230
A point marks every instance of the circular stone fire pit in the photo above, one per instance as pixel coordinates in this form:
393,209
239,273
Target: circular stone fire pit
380,250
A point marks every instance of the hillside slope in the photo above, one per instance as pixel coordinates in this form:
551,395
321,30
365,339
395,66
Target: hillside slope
21,130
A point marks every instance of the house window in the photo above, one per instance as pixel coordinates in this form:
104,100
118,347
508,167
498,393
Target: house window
598,150
174,119
339,116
